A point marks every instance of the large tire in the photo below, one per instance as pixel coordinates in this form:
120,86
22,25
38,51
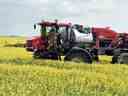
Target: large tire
94,54
36,54
46,55
115,56
79,54
123,58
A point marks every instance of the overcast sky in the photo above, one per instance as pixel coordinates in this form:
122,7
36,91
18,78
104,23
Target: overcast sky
18,16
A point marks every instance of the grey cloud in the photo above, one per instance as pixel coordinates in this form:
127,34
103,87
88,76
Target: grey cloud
18,16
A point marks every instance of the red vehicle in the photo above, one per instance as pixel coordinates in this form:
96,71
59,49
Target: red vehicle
104,36
36,42
74,41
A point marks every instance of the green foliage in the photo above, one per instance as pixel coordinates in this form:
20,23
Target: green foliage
21,75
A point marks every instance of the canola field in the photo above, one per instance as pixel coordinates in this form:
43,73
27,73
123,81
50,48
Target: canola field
21,75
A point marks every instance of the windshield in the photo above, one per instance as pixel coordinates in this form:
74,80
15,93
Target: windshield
82,29
87,30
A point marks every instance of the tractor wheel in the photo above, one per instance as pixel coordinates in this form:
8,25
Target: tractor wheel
94,54
123,58
36,54
115,56
46,55
78,56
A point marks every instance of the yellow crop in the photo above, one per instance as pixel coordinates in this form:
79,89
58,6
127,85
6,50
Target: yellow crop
21,75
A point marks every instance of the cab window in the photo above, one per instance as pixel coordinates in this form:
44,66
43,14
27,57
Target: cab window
87,30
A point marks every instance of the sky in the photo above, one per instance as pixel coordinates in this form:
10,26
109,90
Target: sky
18,16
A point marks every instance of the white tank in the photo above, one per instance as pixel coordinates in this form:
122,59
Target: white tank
83,37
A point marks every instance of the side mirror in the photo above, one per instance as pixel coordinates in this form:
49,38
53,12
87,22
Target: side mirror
34,26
